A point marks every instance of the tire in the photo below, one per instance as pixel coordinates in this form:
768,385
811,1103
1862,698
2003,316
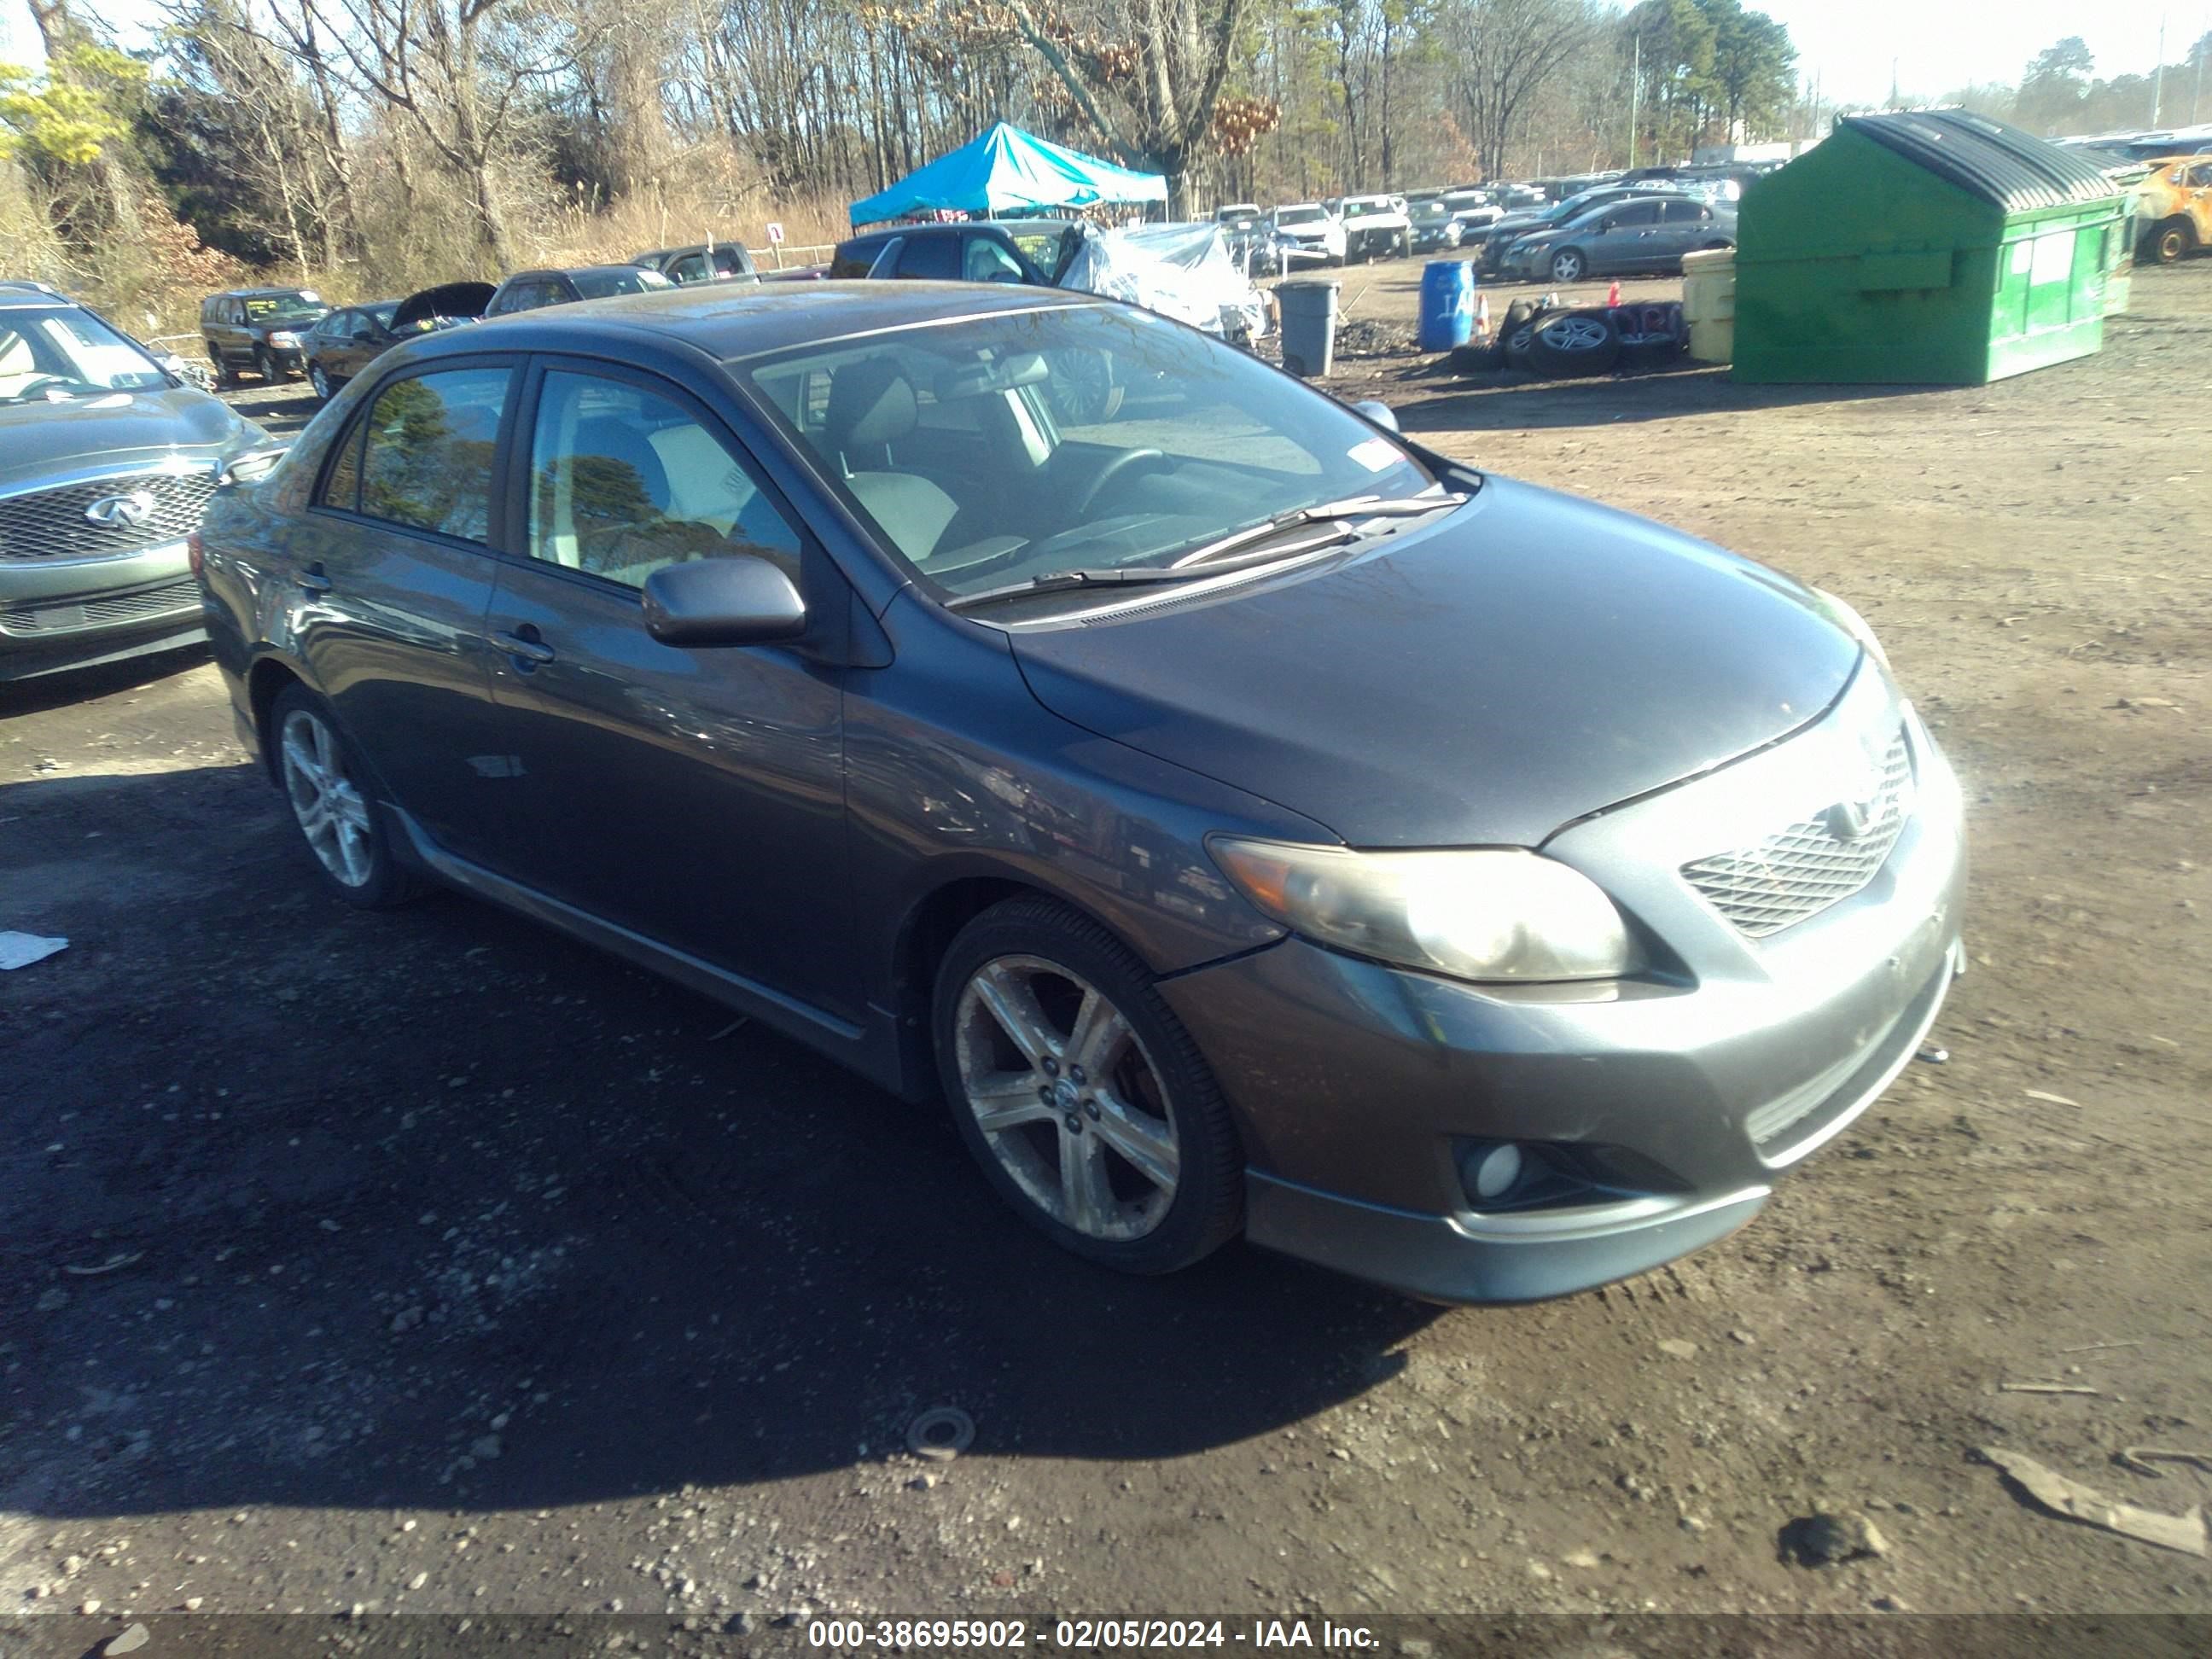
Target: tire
321,382
2169,243
1015,982
1083,391
1513,348
1647,352
1569,265
223,375
1472,359
1574,344
345,837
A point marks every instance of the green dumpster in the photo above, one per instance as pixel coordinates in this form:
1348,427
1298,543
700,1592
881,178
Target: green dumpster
1925,248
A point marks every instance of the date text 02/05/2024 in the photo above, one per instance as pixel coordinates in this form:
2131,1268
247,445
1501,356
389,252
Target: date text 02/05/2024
1006,1634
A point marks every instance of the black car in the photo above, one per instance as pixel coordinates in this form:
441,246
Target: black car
532,290
261,329
1246,820
346,342
1028,251
106,461
701,262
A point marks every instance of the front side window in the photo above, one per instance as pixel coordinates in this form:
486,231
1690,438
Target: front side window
57,356
985,261
427,459
624,481
1001,448
691,268
1632,216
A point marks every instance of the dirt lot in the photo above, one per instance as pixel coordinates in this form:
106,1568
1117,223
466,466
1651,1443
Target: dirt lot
430,1261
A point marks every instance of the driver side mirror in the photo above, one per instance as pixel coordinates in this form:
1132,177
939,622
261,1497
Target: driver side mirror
1377,412
739,599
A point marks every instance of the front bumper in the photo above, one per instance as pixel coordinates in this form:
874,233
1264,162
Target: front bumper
1353,1083
61,614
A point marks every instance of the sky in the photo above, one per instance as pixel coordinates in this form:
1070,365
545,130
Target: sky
1939,46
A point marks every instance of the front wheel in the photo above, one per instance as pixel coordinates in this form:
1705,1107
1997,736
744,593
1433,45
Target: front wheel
326,788
1567,266
1085,1100
2170,242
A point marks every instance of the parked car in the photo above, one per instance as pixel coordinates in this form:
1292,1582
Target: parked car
531,290
1648,233
1307,233
1375,227
1505,232
1033,251
1567,883
346,342
1455,217
2173,210
105,462
700,262
259,329
1238,215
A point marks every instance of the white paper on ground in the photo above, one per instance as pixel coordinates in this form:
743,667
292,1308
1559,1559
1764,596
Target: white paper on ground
21,950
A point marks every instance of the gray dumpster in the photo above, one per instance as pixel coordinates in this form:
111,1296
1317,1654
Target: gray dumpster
1308,326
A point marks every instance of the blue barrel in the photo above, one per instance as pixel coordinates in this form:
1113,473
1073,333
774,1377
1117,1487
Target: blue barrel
1447,304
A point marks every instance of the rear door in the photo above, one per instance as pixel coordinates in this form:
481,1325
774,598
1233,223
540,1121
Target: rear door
396,573
1682,226
694,796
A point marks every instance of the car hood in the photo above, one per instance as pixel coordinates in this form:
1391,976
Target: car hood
1529,660
116,430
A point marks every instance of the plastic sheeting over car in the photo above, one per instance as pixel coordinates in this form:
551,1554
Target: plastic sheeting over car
1182,271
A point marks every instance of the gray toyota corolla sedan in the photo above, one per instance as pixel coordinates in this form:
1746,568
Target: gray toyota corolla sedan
1248,820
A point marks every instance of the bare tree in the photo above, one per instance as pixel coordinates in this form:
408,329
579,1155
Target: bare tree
1506,51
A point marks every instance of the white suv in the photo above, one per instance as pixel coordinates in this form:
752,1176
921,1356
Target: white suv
1308,232
1376,226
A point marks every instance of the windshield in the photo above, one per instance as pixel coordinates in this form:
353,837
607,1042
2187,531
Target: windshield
384,313
1362,210
1001,449
1303,215
598,285
1042,248
51,356
1431,210
301,308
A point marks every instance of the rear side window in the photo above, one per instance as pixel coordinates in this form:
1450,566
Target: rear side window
1676,213
425,456
932,258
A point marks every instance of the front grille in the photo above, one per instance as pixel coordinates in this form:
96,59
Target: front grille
25,620
50,524
1800,871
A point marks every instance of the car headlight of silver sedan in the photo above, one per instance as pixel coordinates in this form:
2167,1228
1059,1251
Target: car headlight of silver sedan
1483,914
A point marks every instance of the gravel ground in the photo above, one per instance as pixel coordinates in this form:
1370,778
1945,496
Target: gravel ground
428,1262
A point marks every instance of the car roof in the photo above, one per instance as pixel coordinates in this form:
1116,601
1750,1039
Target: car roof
258,293
713,320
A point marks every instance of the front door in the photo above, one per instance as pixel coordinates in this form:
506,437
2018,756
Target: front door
693,795
1625,243
395,575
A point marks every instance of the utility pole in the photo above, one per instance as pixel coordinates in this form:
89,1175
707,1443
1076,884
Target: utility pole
1893,83
1635,85
2158,77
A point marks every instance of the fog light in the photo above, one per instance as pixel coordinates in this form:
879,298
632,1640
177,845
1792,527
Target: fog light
1489,1172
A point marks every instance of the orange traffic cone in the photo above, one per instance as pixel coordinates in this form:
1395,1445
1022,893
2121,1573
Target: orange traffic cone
1482,315
1613,293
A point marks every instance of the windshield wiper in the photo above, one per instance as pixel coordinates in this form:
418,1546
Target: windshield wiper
1144,575
1358,507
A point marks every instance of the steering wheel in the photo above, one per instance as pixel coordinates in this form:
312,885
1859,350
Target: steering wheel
1129,460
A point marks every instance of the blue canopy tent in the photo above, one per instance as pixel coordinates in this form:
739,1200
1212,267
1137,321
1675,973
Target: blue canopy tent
1009,171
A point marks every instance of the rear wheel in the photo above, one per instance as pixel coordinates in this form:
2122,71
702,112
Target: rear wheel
320,381
1086,1101
331,802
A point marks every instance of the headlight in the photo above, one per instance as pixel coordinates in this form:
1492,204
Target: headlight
1852,624
1487,914
284,340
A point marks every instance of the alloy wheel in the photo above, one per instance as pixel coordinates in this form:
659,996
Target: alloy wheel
1575,334
1567,267
1066,1098
320,381
332,813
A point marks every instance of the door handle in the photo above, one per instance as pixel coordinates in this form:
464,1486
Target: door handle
312,580
524,648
